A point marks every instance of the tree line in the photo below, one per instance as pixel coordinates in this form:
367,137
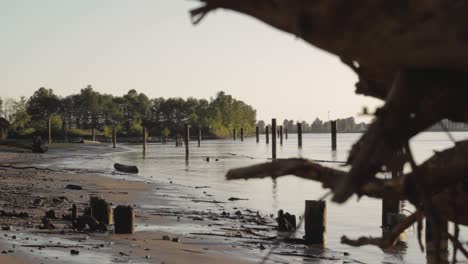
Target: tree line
343,125
78,114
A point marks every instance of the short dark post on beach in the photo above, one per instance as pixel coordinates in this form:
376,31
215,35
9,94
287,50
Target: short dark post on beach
242,134
273,138
49,129
333,134
315,222
299,134
267,134
234,134
114,136
286,133
93,133
431,241
257,134
281,135
286,222
187,140
124,220
74,211
199,137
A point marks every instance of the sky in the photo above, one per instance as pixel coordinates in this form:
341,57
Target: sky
152,47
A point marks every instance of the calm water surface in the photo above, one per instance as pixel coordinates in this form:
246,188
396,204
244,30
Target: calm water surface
165,163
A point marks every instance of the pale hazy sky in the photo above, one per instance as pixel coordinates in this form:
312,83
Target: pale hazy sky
151,46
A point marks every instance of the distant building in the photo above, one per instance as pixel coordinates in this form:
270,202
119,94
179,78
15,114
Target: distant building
4,126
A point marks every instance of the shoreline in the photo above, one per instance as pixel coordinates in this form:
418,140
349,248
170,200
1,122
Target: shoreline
21,188
206,230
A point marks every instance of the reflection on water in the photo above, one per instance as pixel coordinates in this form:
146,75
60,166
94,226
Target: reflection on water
334,155
354,219
274,190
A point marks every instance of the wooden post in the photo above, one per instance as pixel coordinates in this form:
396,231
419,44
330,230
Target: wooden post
124,220
94,134
267,135
299,134
234,134
257,134
390,215
101,210
431,243
187,140
49,128
273,138
333,134
242,134
281,135
199,137
315,219
286,222
114,136
286,133
65,130
145,138
74,211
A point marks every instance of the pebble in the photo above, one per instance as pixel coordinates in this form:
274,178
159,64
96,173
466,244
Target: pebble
74,252
175,239
6,228
166,237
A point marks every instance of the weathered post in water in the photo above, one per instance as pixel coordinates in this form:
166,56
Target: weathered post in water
281,135
286,133
242,134
432,247
145,138
390,214
267,134
273,138
114,136
391,206
333,134
299,134
199,137
257,134
315,221
187,140
49,129
65,130
234,134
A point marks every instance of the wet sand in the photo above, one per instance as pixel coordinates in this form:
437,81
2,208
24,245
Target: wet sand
35,191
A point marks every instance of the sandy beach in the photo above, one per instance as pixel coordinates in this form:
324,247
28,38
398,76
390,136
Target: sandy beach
27,194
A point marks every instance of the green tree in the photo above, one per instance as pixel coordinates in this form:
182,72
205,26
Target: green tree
41,106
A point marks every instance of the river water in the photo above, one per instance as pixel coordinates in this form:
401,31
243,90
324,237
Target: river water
164,163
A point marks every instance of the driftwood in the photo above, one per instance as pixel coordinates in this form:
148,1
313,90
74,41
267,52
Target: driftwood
412,55
126,168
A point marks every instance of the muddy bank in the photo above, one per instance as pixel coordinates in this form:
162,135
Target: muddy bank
200,228
27,194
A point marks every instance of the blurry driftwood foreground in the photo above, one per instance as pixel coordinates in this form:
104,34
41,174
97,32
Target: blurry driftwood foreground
411,54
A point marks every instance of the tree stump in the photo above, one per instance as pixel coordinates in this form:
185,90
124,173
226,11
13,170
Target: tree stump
124,219
101,210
